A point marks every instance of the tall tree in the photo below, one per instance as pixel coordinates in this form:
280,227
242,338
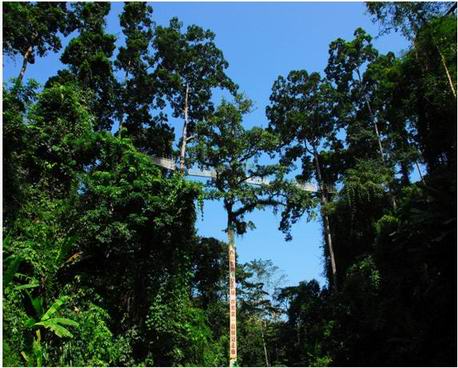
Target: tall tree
364,127
409,18
300,112
18,146
413,92
89,58
431,96
306,326
345,70
261,283
224,145
38,30
383,78
188,65
59,122
138,94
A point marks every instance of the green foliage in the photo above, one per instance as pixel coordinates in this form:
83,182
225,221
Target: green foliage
15,331
101,262
405,17
180,333
32,29
234,152
36,357
38,353
56,324
306,325
139,91
365,182
16,103
190,60
432,96
89,58
93,343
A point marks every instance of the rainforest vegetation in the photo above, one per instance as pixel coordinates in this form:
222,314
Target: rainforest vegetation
102,265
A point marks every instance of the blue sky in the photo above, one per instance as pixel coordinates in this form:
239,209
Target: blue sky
260,41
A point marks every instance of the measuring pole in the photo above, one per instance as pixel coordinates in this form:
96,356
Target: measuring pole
232,300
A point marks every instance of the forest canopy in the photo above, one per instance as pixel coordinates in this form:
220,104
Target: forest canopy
102,264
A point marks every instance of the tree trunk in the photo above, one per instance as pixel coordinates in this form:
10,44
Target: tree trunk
382,153
184,136
405,173
232,295
416,30
327,227
449,77
264,345
380,147
25,61
377,133
121,119
419,172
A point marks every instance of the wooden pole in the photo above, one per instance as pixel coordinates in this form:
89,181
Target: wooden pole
232,299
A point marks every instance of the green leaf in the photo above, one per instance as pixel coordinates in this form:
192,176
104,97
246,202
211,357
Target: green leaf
37,304
64,321
54,308
30,322
37,349
11,270
56,328
27,286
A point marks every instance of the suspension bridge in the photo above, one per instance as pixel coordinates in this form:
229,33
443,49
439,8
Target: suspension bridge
170,164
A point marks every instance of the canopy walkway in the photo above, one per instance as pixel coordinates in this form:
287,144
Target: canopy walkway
170,164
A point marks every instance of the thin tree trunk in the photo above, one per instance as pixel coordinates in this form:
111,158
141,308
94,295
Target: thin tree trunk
25,61
264,345
419,172
447,72
449,77
380,147
184,136
327,227
377,133
121,122
405,173
379,141
420,155
232,295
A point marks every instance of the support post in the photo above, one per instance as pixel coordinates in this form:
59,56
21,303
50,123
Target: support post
232,300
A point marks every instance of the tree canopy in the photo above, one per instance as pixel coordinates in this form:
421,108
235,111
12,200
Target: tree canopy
102,261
